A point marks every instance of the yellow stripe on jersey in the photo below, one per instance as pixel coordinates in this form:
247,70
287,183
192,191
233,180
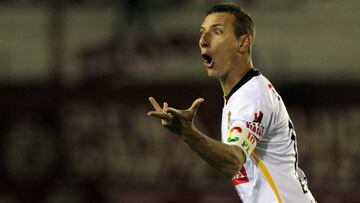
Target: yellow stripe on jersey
267,175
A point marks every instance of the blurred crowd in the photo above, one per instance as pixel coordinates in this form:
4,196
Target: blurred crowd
92,142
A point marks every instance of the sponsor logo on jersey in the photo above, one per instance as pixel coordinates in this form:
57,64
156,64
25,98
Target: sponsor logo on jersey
243,138
240,177
234,134
255,126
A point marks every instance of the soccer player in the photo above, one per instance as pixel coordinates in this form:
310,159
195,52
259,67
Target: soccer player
258,148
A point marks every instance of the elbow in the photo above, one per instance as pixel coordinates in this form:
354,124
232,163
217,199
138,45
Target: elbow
236,162
230,173
232,169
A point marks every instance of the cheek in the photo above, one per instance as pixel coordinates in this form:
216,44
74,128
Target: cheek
226,50
228,56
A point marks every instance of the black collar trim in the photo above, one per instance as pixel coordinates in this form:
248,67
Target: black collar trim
250,74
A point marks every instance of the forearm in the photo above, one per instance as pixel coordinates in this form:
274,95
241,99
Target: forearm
227,159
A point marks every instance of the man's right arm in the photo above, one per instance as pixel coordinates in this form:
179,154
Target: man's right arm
227,159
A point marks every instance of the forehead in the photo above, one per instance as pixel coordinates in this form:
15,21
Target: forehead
224,18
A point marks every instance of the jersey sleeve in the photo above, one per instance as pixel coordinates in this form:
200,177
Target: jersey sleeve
248,119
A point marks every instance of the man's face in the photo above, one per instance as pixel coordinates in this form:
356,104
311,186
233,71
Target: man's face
218,44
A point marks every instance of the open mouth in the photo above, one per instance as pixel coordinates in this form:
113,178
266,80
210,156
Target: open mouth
208,61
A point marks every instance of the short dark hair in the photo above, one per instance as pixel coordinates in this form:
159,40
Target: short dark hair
243,24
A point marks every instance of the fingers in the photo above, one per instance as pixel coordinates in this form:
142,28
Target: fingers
165,106
161,115
195,105
155,104
168,113
175,112
159,112
185,114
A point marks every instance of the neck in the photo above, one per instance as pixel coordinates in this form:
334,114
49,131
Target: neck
233,77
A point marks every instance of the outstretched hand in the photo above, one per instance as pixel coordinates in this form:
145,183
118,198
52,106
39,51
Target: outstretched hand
178,121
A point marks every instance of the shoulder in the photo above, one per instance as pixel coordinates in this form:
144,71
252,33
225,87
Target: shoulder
250,106
252,99
253,92
246,99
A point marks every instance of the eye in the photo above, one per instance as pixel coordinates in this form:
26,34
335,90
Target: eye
218,31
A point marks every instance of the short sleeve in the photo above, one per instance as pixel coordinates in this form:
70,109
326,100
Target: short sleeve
250,114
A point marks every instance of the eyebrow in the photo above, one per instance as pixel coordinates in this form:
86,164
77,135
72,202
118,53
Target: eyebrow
215,25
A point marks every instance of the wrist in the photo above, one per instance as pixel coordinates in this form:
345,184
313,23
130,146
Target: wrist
189,134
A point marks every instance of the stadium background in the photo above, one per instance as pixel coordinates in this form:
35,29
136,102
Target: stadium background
75,77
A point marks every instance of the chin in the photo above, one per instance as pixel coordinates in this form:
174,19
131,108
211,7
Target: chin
212,73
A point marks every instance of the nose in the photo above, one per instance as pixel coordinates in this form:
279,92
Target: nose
204,40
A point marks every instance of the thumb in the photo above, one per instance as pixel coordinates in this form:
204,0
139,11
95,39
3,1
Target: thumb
195,105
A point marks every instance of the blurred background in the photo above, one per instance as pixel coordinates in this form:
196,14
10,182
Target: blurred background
75,77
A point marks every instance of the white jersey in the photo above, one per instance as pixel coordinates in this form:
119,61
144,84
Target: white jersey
270,173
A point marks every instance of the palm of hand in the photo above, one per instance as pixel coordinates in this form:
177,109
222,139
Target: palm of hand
178,121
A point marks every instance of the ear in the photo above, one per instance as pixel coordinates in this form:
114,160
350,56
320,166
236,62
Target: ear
245,43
